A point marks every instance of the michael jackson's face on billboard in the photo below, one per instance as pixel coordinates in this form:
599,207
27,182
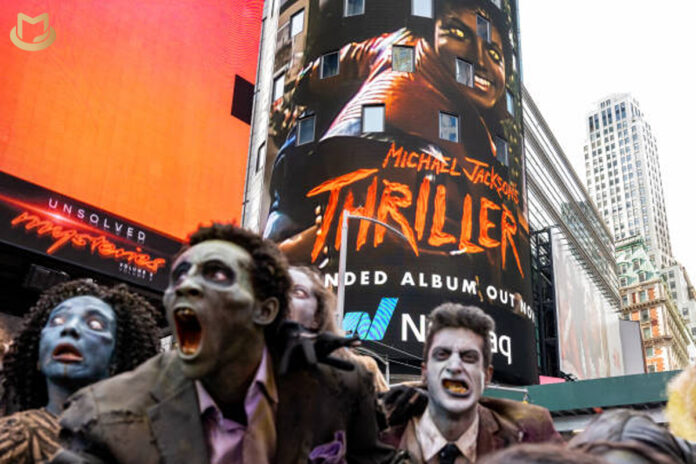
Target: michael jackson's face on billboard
469,34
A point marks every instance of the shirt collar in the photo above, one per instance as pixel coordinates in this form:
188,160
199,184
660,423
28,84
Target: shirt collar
432,441
264,379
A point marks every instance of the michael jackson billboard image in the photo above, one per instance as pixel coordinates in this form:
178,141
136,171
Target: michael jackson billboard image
408,112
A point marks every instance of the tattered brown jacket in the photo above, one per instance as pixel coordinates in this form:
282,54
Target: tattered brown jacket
502,423
151,415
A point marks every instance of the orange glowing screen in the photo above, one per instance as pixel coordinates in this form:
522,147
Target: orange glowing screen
129,109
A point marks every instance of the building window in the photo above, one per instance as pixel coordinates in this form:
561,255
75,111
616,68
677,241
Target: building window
449,127
260,156
329,65
650,352
354,7
465,72
646,333
644,315
305,130
403,58
501,150
297,23
483,28
651,368
422,8
510,99
278,87
373,118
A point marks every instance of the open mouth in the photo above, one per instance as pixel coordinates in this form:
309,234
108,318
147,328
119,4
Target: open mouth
67,353
482,83
188,331
456,387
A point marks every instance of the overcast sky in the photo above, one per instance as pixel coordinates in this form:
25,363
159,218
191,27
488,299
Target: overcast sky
575,53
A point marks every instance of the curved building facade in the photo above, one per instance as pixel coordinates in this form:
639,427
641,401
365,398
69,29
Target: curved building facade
407,112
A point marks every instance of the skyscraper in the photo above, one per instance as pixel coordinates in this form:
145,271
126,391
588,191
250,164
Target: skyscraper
623,175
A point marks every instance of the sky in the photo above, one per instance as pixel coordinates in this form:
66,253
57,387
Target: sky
575,53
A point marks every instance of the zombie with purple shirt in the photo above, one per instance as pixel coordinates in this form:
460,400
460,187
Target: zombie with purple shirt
230,392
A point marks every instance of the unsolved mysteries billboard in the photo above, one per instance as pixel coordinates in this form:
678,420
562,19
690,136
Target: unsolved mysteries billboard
411,116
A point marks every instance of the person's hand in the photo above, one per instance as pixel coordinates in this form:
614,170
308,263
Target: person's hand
404,401
304,348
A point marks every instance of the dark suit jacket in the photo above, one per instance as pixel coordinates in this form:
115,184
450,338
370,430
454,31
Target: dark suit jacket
151,415
502,423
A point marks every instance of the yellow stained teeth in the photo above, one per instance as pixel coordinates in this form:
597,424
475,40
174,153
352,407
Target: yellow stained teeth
455,387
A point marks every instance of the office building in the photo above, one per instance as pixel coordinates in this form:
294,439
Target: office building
576,287
646,299
623,175
409,113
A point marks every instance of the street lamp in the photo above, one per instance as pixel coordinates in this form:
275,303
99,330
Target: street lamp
342,257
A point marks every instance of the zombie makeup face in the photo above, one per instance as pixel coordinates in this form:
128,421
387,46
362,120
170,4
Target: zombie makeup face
303,302
469,35
78,341
454,371
211,307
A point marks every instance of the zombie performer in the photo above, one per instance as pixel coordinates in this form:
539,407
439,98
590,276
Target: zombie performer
220,396
77,333
457,425
314,306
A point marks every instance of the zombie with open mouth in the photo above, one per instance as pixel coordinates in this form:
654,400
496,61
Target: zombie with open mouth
221,395
70,340
457,425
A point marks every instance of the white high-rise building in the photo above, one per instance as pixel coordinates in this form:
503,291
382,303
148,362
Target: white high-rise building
623,175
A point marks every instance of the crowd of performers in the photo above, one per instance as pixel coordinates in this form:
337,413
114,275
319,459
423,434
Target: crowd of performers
260,373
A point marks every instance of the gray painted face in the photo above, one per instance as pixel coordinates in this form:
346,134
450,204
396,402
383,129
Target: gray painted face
454,371
77,342
210,305
303,303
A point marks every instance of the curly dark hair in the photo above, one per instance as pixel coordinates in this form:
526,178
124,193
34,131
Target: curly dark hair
269,272
136,339
455,315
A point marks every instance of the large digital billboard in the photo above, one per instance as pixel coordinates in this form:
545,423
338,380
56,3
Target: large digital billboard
408,113
127,106
589,331
41,221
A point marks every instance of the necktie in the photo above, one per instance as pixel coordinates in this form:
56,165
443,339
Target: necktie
449,453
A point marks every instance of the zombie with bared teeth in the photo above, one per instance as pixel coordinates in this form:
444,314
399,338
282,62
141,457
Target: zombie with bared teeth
77,333
223,396
455,424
